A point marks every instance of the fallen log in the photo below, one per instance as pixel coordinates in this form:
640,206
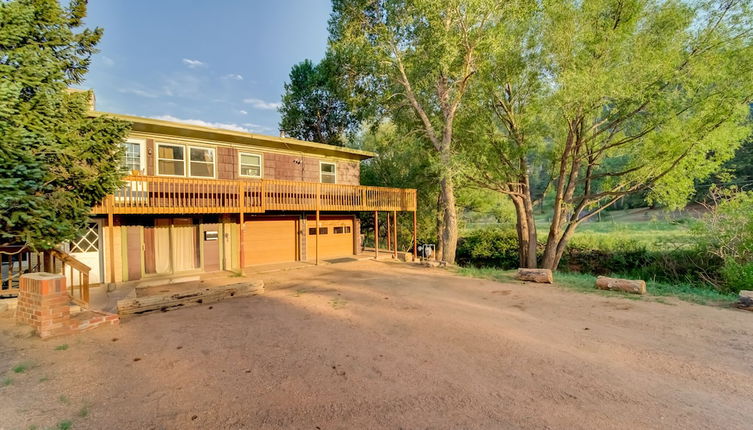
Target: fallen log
624,285
166,302
542,276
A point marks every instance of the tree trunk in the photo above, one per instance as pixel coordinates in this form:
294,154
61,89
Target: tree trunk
440,227
522,230
532,241
449,231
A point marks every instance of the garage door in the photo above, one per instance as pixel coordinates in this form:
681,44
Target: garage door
270,241
335,237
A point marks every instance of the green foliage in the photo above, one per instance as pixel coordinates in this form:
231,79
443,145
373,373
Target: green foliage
489,247
64,425
62,347
400,163
55,161
737,276
314,106
727,233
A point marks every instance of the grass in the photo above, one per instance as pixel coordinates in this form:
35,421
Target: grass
83,412
64,399
62,347
64,425
7,381
657,291
21,367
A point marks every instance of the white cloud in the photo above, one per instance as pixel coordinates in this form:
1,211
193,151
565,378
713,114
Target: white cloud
222,125
256,128
261,104
138,92
233,76
242,112
192,64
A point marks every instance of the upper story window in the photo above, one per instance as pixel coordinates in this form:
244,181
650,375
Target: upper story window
250,164
327,172
202,162
134,156
172,160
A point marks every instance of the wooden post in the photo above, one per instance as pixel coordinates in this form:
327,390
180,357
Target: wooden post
376,235
242,228
318,198
111,236
415,237
394,234
389,233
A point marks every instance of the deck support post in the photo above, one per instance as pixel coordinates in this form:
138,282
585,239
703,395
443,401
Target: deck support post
318,199
415,237
111,237
376,235
389,233
242,229
394,234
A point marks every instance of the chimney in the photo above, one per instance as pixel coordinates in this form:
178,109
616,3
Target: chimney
92,99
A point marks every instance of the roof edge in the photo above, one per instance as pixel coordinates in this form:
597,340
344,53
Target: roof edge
363,155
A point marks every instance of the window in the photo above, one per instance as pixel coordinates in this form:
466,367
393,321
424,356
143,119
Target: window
250,165
312,231
347,229
327,173
338,230
322,230
171,160
201,162
132,161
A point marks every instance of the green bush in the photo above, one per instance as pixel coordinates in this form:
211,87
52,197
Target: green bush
489,247
737,276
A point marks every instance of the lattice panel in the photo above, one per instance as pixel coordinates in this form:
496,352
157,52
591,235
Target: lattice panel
89,240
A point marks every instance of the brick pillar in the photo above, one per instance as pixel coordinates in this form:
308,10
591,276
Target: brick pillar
43,303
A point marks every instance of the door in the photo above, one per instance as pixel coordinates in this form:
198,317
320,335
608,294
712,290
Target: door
87,249
270,240
335,237
162,254
185,248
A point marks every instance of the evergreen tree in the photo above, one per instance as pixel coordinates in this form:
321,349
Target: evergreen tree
56,161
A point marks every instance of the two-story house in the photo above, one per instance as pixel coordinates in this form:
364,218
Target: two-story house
201,199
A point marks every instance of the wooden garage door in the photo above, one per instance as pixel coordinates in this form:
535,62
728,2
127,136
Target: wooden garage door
335,237
270,241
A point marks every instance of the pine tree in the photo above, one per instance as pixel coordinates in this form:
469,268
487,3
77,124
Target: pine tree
56,161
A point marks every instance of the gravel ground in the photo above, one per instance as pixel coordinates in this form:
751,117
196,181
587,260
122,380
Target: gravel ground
388,345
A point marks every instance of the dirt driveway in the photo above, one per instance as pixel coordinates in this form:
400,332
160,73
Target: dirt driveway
386,345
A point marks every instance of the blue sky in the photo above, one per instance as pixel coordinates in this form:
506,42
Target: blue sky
220,63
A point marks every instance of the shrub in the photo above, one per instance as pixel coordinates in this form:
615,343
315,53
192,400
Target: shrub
737,276
489,247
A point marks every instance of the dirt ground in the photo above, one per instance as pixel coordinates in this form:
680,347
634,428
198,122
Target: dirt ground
388,345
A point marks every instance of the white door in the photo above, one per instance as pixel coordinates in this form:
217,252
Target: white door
87,249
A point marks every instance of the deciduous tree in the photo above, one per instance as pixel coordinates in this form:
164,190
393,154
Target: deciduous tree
601,99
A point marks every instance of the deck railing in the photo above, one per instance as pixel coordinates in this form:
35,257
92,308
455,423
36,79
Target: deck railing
17,260
158,194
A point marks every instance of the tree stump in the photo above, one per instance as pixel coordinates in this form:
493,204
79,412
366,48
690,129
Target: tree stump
542,276
624,285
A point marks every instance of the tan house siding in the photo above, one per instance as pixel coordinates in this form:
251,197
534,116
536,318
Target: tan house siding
311,169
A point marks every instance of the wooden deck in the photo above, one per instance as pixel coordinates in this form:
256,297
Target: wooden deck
166,195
